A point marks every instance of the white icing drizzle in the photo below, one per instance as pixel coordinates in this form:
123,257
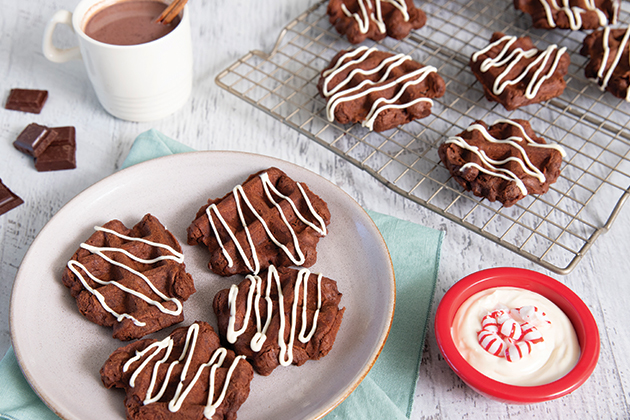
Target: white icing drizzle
337,95
529,140
215,362
253,300
513,59
605,78
396,60
492,165
367,13
269,188
574,14
74,266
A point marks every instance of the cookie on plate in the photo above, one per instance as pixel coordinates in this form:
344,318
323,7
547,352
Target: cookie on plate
359,20
570,14
609,64
187,375
269,219
283,316
378,89
133,280
514,73
504,162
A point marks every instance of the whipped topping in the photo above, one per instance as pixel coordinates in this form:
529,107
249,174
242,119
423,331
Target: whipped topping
515,336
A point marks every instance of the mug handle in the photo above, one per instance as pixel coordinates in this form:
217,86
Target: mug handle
54,54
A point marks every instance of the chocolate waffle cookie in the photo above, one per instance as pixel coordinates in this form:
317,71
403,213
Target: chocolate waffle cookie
503,162
609,64
269,219
359,20
378,89
514,73
263,317
133,280
570,14
214,385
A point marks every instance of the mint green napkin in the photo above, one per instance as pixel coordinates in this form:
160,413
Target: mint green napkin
388,390
153,144
17,399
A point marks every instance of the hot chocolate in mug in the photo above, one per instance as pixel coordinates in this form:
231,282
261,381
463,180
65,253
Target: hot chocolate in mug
140,82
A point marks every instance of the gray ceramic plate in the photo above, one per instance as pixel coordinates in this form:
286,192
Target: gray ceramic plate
61,352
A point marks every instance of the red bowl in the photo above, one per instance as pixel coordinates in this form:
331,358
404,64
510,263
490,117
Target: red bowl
575,309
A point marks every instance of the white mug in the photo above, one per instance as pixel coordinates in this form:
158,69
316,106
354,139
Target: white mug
142,82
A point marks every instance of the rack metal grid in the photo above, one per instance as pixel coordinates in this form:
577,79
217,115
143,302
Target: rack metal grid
554,230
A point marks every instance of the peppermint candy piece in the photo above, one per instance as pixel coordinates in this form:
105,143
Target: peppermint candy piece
511,333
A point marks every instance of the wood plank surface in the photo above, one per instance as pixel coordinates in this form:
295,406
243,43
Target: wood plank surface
224,30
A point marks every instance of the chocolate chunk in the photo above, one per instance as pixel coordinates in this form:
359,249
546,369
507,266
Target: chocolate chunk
27,100
8,199
34,139
61,153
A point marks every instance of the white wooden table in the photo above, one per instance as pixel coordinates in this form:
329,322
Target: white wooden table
224,30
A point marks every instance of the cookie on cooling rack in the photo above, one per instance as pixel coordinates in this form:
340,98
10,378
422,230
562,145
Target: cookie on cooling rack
609,65
133,280
504,162
378,89
269,219
570,14
282,317
214,385
515,73
359,20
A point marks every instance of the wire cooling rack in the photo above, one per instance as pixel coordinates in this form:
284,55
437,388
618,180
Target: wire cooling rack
554,230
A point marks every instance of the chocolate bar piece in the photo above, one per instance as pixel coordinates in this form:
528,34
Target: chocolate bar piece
34,139
27,100
61,153
8,199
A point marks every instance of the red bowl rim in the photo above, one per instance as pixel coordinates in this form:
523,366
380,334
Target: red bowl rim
570,303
